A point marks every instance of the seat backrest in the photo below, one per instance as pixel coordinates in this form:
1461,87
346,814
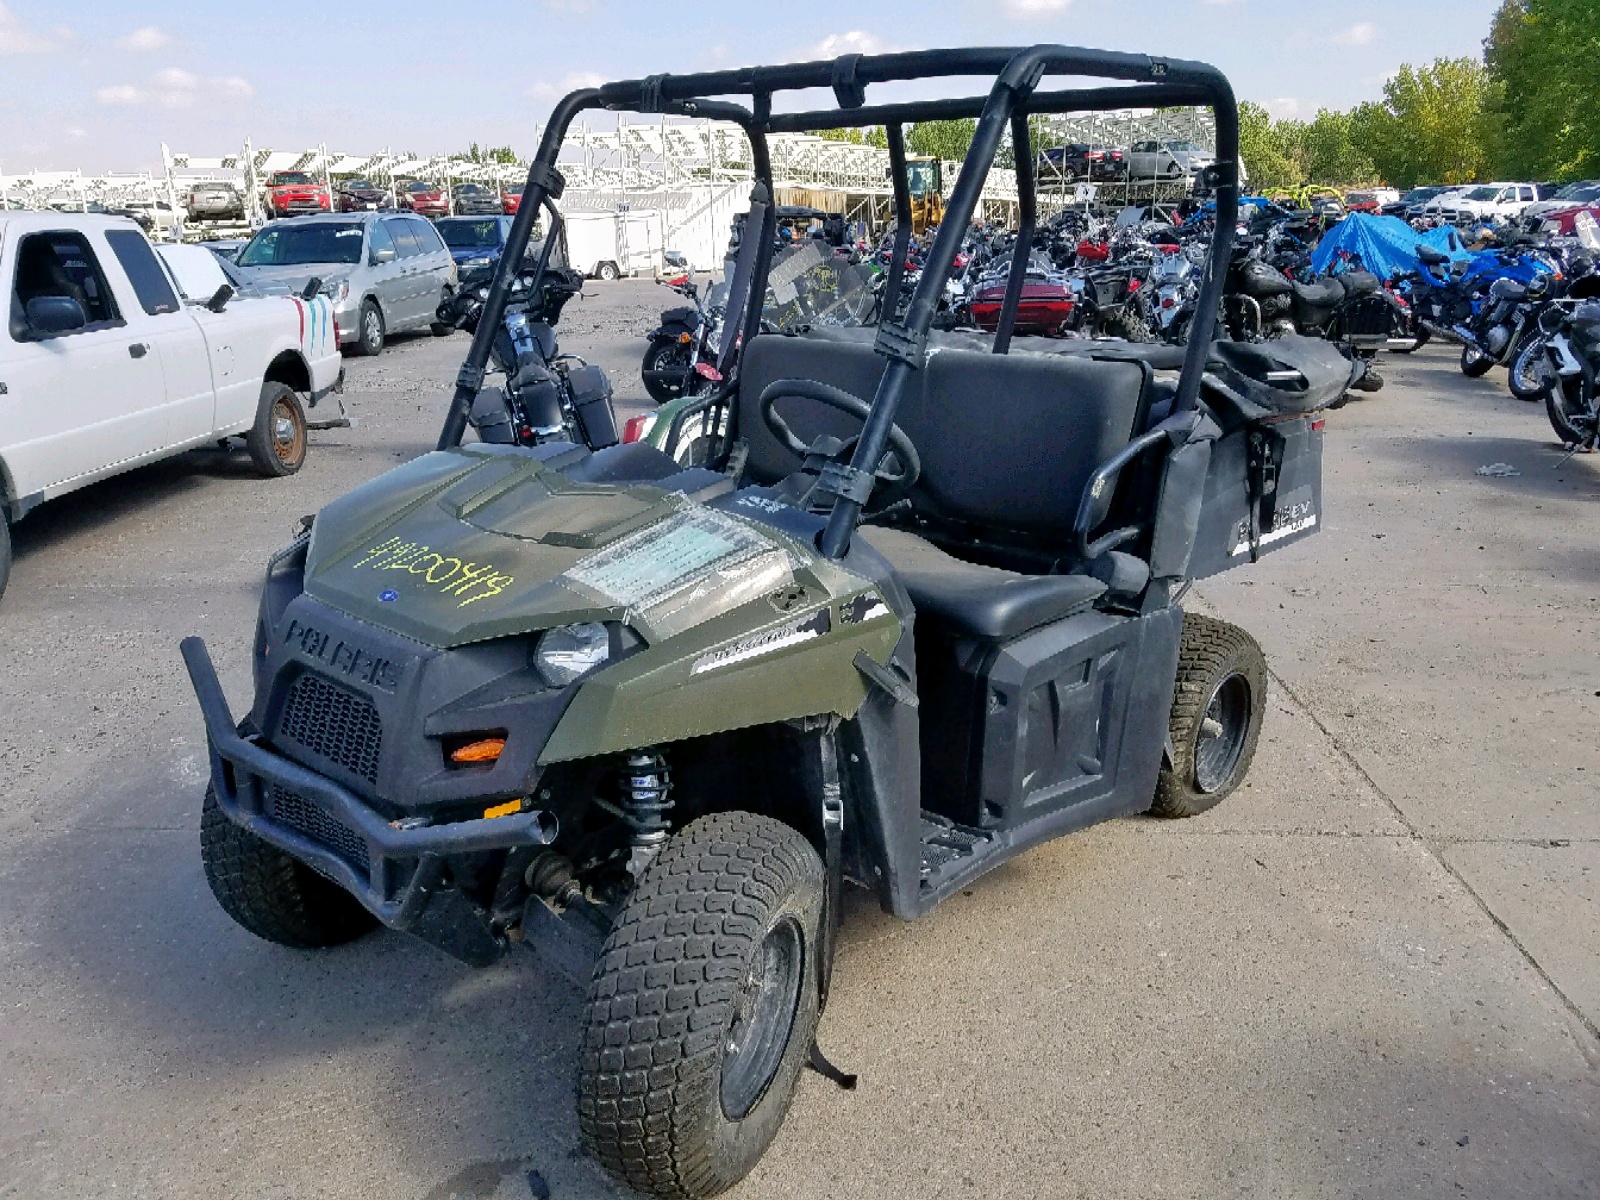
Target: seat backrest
1007,442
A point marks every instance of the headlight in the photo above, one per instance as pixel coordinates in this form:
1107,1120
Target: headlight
477,262
483,293
567,654
337,291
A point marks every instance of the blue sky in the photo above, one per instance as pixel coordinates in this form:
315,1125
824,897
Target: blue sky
101,85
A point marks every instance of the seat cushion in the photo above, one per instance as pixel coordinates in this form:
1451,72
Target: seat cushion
1320,293
984,602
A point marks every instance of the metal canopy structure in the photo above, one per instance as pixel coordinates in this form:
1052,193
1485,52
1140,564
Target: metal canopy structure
636,160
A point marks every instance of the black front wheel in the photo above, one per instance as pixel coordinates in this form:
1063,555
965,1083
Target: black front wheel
5,553
1217,707
670,357
370,330
1421,333
1530,376
1571,411
273,894
1474,362
703,1007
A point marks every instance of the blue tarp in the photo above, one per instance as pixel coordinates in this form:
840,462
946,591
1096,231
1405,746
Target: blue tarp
1384,244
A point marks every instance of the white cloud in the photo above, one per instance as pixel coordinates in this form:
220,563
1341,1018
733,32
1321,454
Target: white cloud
19,37
173,87
76,134
1034,10
857,41
1357,35
1283,106
570,83
145,38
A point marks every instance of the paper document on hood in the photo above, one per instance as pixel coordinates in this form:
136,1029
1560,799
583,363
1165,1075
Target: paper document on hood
687,569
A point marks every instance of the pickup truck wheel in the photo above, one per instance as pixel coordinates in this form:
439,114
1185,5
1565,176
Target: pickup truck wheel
1217,707
272,894
369,330
703,1007
5,552
277,441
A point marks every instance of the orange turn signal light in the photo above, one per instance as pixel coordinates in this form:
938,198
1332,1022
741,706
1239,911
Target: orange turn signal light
485,750
685,338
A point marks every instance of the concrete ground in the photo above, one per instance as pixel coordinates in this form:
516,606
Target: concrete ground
1374,972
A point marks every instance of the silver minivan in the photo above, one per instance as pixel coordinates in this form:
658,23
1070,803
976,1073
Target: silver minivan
386,273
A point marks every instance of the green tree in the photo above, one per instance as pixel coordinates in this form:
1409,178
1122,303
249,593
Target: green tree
491,154
1328,152
1543,104
854,136
941,139
1262,146
1431,126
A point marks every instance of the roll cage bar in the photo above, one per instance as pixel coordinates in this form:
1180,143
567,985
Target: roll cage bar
1151,83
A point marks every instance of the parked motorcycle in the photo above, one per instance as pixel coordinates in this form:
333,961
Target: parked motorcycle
547,396
1572,349
683,348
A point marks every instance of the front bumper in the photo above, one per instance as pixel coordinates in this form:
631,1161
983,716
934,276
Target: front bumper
392,871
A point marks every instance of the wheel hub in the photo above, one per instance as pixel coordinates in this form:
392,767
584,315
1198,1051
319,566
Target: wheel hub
763,1015
1222,734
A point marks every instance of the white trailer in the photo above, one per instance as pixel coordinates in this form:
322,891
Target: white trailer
609,245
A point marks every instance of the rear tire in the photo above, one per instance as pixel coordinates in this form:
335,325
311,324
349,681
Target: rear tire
272,894
441,328
1422,335
277,441
1474,362
1217,707
5,553
703,1007
608,272
663,353
369,330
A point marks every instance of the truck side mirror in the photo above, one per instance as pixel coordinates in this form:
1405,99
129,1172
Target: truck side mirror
220,297
312,287
379,257
49,315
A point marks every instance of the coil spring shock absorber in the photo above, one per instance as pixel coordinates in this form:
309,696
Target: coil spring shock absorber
645,803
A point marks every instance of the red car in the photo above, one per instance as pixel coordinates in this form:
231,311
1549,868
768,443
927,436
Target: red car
293,192
511,199
424,199
1563,222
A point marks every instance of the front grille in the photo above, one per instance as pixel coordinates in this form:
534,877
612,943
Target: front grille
316,823
337,724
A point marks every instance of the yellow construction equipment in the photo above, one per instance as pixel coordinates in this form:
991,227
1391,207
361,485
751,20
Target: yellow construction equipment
925,182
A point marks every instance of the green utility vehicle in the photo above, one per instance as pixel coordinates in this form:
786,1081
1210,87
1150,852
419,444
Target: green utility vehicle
918,614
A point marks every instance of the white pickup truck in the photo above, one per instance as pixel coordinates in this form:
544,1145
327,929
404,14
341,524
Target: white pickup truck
112,360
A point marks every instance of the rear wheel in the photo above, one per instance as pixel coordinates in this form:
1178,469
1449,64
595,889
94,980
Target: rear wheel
608,271
1421,335
277,441
1474,362
1215,724
272,894
703,1007
441,328
664,355
5,553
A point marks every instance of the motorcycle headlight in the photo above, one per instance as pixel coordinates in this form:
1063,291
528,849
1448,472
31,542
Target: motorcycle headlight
483,293
566,654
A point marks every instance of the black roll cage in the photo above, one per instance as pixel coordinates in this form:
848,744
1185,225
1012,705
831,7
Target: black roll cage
1151,83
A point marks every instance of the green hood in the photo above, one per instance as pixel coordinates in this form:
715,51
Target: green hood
462,546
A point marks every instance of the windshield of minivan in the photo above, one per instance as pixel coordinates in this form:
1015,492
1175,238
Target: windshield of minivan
470,233
296,244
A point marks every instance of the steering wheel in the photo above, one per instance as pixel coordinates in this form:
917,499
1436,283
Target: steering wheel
895,483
